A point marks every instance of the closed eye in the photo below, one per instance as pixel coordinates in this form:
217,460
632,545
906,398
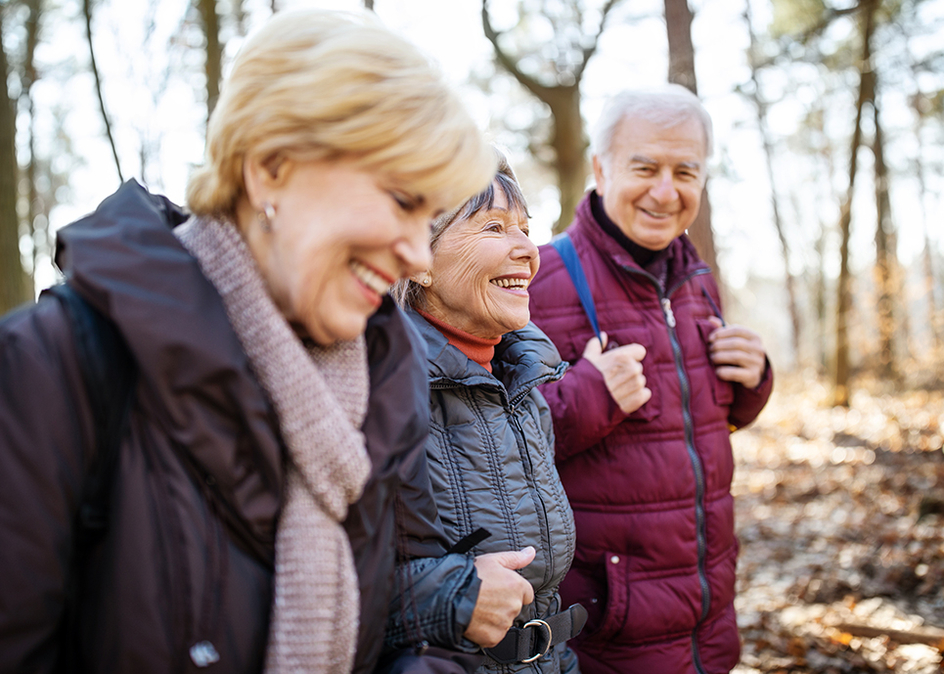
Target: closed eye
406,202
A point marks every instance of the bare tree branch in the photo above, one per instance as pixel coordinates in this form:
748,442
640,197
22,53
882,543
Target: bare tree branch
589,51
506,61
87,9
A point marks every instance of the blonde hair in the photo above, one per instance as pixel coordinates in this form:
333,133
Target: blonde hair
409,293
316,84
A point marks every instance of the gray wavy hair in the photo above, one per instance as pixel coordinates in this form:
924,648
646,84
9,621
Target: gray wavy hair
409,293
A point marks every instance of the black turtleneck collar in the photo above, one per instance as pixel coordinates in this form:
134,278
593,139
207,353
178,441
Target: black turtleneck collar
643,256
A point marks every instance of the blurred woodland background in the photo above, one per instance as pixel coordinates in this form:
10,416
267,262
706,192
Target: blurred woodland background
823,216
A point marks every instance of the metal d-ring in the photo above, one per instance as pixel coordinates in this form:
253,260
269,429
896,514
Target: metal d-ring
537,622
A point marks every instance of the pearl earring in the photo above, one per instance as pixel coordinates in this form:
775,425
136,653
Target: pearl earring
426,280
266,216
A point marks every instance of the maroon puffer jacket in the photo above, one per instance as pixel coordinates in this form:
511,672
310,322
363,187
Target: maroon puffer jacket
656,549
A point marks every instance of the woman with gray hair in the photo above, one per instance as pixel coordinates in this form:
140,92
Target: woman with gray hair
256,426
491,443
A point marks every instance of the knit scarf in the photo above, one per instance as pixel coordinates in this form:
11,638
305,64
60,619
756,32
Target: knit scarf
320,398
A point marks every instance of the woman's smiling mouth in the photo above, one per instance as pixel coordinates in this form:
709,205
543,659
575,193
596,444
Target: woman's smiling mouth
370,278
507,282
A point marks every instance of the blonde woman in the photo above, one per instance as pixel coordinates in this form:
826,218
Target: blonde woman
333,145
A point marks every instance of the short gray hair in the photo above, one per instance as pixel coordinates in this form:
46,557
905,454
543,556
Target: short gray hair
409,293
668,106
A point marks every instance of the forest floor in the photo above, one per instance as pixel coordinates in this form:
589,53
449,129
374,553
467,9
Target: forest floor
840,515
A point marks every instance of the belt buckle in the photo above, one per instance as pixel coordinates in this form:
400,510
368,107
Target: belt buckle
537,622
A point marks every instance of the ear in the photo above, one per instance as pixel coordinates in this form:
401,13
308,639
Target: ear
598,175
264,179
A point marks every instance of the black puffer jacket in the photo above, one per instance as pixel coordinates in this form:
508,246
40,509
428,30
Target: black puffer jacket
491,462
187,557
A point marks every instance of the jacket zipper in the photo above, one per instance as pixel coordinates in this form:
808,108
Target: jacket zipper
697,468
519,431
512,405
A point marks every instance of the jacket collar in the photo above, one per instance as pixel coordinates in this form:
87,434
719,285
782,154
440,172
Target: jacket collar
523,359
684,258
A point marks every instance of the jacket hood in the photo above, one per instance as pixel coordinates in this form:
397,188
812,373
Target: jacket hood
194,377
523,359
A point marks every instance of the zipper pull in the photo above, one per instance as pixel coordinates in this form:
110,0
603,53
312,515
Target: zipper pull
667,308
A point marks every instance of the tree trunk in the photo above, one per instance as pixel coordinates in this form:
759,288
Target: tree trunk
42,239
678,26
844,303
819,302
886,259
934,325
87,10
760,106
214,51
570,148
14,283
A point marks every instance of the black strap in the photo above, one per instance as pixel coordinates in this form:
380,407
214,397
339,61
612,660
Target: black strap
537,637
108,374
466,543
565,247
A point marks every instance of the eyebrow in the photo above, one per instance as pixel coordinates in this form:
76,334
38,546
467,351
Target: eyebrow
642,159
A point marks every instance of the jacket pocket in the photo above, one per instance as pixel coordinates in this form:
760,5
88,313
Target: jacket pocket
617,596
722,391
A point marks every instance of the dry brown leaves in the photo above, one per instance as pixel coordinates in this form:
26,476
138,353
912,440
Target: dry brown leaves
841,522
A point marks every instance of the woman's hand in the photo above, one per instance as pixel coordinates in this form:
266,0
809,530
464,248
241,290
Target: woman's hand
502,595
622,372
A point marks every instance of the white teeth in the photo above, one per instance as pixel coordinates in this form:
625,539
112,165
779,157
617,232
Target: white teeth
521,283
369,278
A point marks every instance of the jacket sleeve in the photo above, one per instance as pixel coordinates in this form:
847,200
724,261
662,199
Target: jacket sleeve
749,402
568,659
44,427
433,600
583,410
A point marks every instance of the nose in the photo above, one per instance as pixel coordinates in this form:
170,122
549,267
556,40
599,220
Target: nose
663,191
524,248
413,251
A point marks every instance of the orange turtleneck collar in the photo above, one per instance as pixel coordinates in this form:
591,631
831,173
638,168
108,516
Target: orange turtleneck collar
476,349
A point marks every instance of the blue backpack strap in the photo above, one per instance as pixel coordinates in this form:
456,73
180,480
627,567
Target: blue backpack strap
565,247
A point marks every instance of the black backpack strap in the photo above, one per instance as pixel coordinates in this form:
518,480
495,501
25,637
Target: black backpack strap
565,247
109,374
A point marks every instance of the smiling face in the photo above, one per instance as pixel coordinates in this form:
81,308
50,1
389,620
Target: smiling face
341,235
651,181
481,270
